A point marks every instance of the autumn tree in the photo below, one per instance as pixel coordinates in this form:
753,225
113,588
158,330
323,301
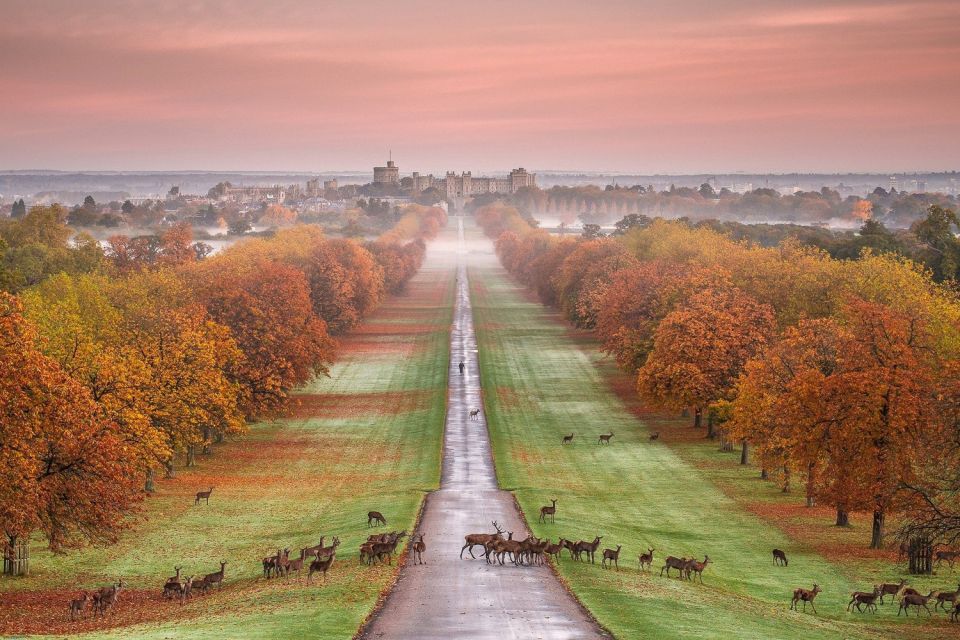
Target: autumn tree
64,470
701,348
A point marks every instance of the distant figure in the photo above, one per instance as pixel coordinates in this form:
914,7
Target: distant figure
462,367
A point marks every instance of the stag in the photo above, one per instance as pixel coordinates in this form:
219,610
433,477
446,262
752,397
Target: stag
203,495
549,511
858,598
605,438
645,559
779,557
375,519
805,595
480,540
612,556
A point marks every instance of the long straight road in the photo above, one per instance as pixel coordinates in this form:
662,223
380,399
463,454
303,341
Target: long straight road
453,598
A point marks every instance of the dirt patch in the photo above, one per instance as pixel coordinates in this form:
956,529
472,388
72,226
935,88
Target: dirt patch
335,405
507,397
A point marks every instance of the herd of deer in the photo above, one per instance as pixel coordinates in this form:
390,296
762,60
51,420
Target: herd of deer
907,596
321,560
380,547
603,438
101,601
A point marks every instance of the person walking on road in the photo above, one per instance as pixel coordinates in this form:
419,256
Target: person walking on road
462,367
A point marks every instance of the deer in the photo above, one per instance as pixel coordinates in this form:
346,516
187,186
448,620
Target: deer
612,556
329,551
78,605
779,557
203,495
891,589
914,600
805,595
572,547
654,436
947,596
858,598
172,584
375,518
106,597
589,548
645,559
693,566
554,550
216,578
295,565
605,438
672,562
418,548
549,511
949,556
313,550
320,565
568,439
270,563
283,561
475,414
480,540
199,585
187,592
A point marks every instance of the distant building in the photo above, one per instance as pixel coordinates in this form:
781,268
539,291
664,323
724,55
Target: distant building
465,184
313,188
330,184
389,174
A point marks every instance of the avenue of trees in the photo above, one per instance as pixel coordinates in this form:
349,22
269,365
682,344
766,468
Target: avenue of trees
118,361
840,378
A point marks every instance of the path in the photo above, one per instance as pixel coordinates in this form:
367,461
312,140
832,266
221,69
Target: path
454,598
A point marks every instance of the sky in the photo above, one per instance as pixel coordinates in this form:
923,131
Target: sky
674,86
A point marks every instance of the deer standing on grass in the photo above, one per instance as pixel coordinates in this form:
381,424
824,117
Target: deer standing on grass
472,540
891,588
295,565
555,549
203,495
779,557
695,567
805,595
571,546
589,548
320,565
172,584
605,438
216,578
914,600
78,605
375,519
199,585
568,439
311,551
680,564
270,564
858,598
645,559
949,556
549,511
612,556
654,436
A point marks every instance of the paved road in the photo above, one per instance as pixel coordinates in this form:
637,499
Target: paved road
453,598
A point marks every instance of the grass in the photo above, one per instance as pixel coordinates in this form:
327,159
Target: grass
367,438
540,382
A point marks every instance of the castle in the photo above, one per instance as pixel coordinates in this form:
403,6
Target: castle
458,186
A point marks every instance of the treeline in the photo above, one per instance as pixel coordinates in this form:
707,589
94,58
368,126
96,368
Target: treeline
597,205
118,362
842,375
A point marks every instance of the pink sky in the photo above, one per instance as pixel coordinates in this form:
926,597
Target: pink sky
671,86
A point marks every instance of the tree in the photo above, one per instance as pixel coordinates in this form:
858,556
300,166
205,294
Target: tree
591,232
239,226
63,469
937,234
346,283
700,349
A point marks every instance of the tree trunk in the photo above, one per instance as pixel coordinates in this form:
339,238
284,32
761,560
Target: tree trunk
219,437
921,556
810,480
16,556
170,470
697,418
764,474
843,518
206,440
191,455
745,453
786,480
711,432
876,540
148,481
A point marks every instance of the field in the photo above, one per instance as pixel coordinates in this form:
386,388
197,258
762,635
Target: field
366,438
680,496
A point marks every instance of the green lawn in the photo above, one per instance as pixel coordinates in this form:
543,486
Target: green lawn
540,383
367,438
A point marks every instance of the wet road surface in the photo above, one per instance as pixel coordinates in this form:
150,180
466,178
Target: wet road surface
453,598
